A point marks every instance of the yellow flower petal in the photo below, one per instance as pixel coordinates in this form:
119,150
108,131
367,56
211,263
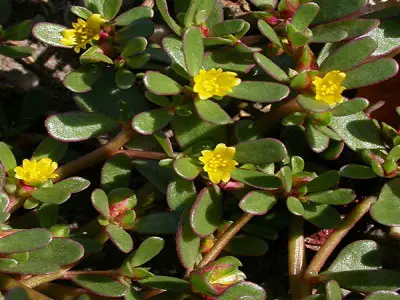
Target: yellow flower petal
219,163
34,172
208,84
329,88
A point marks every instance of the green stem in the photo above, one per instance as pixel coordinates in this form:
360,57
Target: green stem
224,240
297,259
347,224
7,283
276,115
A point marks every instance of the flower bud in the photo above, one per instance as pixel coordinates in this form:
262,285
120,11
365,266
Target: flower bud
215,278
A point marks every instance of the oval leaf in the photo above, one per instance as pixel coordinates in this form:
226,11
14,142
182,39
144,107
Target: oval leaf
257,202
105,286
150,121
161,84
263,92
25,240
193,49
120,238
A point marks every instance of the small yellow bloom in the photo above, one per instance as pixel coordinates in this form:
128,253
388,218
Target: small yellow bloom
219,163
83,32
329,89
34,172
214,83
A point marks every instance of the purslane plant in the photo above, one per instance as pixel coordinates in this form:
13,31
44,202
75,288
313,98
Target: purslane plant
222,133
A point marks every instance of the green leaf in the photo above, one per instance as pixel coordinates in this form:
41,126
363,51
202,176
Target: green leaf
211,112
181,194
349,55
161,84
350,107
150,121
257,202
247,245
25,240
116,172
370,73
383,296
295,206
148,249
105,286
311,104
256,179
124,79
50,148
81,12
51,195
341,9
60,251
166,283
163,8
386,210
95,6
206,212
187,243
193,49
95,55
156,174
286,175
227,27
138,61
18,32
100,202
159,100
243,290
229,59
262,151
7,157
82,79
335,197
136,13
111,8
120,238
78,126
333,291
263,92
157,223
323,182
16,51
73,184
135,46
342,29
317,141
357,131
304,16
187,167
271,68
321,215
141,27
190,130
269,33
49,33
387,34
174,48
32,268
17,293
367,281
47,215
354,171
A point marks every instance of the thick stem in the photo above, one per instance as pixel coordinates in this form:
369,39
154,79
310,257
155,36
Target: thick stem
7,283
348,223
276,115
144,154
97,155
39,279
297,259
224,240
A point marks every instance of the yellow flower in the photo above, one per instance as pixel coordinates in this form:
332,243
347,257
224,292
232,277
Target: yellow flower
34,172
214,83
219,163
329,89
83,33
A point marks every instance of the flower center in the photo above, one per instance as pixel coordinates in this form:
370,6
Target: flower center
83,33
330,88
216,163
